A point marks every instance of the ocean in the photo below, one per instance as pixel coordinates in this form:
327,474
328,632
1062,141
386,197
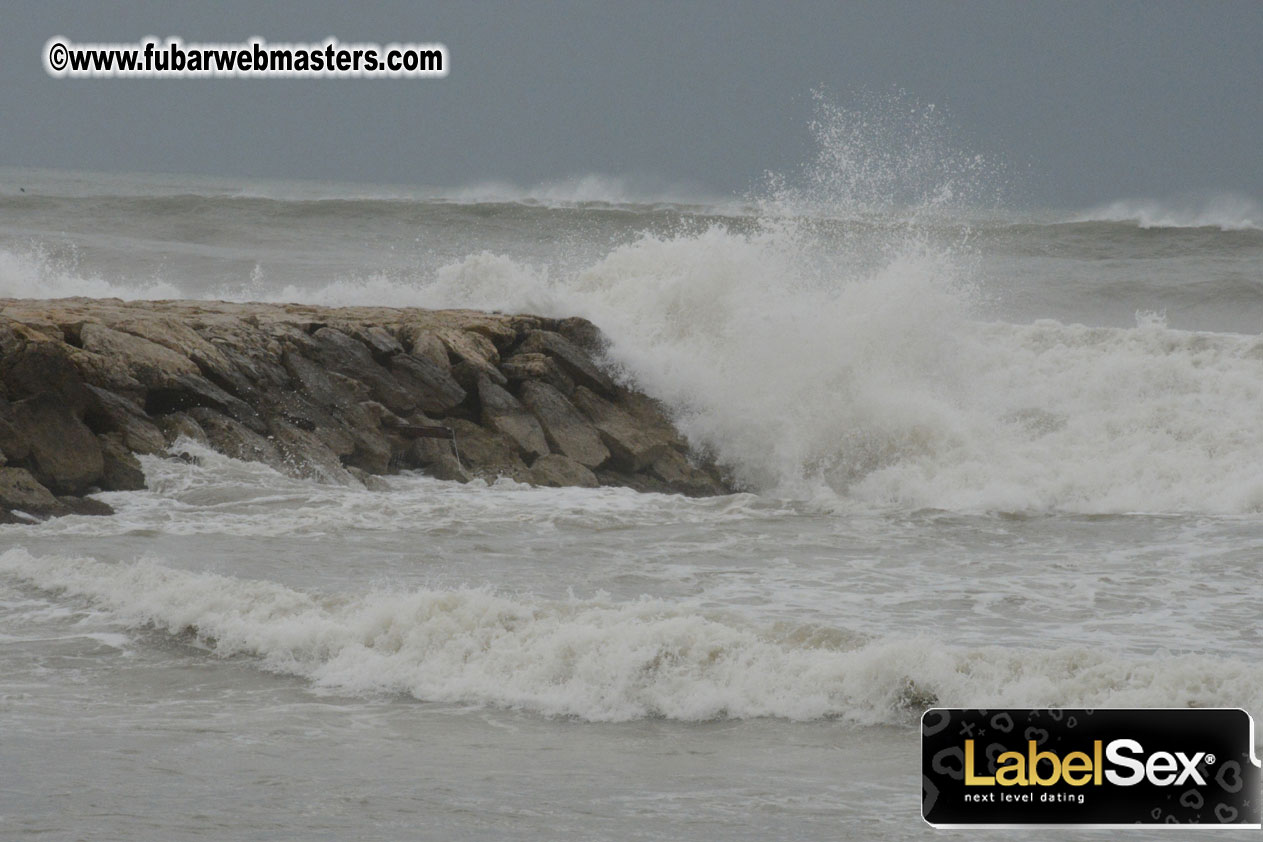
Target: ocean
989,458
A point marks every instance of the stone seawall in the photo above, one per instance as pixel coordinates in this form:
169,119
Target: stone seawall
334,394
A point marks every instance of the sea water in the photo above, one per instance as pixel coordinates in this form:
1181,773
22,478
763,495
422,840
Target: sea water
988,457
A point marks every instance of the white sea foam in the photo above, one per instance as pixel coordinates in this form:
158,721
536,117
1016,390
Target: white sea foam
36,274
1227,212
611,661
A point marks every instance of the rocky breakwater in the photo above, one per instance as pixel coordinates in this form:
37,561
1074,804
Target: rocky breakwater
334,394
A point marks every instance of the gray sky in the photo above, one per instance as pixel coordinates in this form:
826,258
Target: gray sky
1085,101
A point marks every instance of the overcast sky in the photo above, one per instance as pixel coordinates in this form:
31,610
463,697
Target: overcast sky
1087,102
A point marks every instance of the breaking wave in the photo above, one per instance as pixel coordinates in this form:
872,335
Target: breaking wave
612,661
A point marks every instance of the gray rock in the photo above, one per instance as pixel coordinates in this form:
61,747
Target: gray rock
567,431
685,478
179,424
434,387
20,491
371,482
110,413
520,368
559,471
576,363
121,471
633,447
234,439
486,454
503,413
340,353
64,455
85,506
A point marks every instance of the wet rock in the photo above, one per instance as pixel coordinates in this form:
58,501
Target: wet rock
684,477
150,364
180,425
429,346
632,446
340,353
107,412
332,394
582,333
85,506
559,471
234,439
44,369
121,470
504,414
434,387
486,454
22,492
520,368
63,453
371,482
566,430
576,363
380,342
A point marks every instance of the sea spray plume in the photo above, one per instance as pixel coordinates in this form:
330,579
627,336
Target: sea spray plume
820,344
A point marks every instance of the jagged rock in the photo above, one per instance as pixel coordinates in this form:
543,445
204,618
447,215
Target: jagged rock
505,414
582,333
427,345
560,471
471,347
684,477
85,506
306,455
631,446
434,387
150,364
566,430
381,344
485,454
467,374
12,442
121,470
19,490
108,412
371,482
44,369
436,458
179,424
576,363
339,352
328,393
63,453
320,385
536,366
234,439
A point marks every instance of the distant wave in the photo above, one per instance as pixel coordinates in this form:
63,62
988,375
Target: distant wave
1226,212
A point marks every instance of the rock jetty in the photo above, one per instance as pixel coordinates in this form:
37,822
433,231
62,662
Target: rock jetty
334,394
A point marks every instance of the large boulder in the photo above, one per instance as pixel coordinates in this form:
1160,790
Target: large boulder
520,368
435,389
19,491
505,414
633,446
338,352
566,430
559,471
121,471
576,362
63,454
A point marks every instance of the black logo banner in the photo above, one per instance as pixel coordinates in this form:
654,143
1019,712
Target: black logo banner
1102,767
